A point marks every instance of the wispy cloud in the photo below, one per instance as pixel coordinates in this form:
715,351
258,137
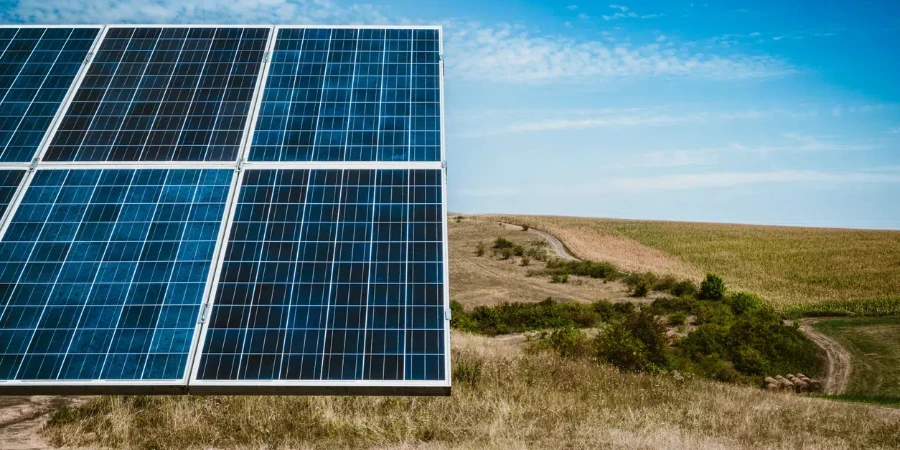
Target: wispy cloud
572,7
791,143
895,130
505,53
622,12
707,180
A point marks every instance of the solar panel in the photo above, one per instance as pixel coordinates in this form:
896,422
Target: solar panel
102,273
351,95
37,66
331,275
163,94
223,209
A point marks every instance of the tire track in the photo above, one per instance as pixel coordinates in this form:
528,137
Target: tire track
837,372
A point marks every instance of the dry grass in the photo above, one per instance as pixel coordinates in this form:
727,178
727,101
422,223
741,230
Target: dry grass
512,400
476,281
789,266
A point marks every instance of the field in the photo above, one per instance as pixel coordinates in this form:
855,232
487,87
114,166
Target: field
503,398
874,347
807,271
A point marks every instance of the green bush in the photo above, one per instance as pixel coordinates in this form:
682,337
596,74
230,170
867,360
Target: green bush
518,250
568,341
583,268
684,288
641,289
637,343
521,317
506,253
526,261
677,318
713,312
665,284
712,288
525,227
479,249
501,243
743,302
564,278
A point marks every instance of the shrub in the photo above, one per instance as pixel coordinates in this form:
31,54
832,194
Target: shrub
459,319
712,288
526,261
525,227
564,278
521,317
479,249
684,288
641,289
713,312
677,318
665,284
568,341
583,268
518,250
501,243
506,253
636,344
743,302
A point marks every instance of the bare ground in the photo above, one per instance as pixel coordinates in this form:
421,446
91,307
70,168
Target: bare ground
838,368
22,418
487,280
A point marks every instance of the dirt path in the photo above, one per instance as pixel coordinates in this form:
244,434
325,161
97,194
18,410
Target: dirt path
21,420
558,247
837,373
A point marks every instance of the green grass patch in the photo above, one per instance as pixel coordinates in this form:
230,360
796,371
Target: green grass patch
880,400
845,308
874,346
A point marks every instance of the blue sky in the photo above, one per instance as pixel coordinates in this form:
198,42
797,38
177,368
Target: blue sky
731,111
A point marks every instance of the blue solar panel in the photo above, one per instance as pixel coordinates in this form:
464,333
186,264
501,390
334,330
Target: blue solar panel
102,273
351,95
163,94
37,66
9,183
331,275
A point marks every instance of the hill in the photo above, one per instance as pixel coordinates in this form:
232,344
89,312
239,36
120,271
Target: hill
812,271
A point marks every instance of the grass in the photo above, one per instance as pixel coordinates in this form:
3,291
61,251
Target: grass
874,346
506,399
794,268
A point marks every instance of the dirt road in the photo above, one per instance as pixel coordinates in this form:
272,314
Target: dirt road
837,373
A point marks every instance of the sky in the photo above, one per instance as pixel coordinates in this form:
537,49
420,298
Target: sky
764,112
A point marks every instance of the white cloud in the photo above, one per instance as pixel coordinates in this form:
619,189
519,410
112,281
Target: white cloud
567,24
508,54
584,16
707,180
192,11
572,7
792,143
661,38
895,130
619,7
627,118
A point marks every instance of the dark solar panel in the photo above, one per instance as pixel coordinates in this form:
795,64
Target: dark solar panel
9,184
163,94
331,275
37,66
102,273
351,95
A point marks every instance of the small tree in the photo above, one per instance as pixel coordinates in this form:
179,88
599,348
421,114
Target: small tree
712,288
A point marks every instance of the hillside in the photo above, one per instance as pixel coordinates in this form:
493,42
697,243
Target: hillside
789,266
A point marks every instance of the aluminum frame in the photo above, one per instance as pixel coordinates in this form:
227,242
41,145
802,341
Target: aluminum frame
189,384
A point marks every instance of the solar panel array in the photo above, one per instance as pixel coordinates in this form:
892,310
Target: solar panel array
222,209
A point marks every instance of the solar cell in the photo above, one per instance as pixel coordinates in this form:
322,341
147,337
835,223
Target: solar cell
331,275
37,66
163,94
102,273
351,95
9,184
